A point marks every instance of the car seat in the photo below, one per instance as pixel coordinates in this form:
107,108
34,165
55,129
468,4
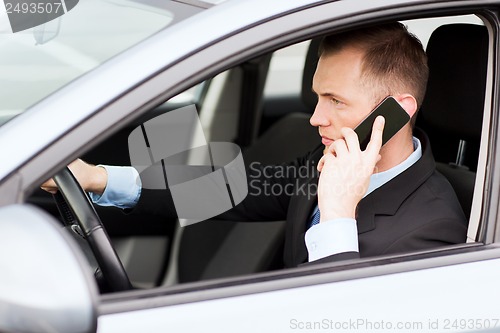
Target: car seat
452,111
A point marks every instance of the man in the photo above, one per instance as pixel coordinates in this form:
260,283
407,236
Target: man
385,199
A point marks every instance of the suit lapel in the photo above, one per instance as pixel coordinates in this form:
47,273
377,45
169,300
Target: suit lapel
387,199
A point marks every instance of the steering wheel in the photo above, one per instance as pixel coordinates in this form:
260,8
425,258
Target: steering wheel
92,230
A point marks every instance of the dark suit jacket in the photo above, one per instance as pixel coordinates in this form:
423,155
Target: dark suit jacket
416,210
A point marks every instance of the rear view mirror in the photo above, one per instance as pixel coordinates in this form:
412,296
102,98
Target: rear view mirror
45,285
47,31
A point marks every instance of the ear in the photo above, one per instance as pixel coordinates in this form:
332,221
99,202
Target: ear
408,102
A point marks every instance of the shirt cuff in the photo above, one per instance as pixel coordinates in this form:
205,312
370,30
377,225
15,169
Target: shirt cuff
332,237
123,188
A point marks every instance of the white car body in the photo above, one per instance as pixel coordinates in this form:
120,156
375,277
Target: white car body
455,289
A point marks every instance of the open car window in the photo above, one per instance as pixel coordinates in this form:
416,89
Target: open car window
163,253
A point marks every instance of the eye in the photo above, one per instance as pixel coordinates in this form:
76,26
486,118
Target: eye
336,101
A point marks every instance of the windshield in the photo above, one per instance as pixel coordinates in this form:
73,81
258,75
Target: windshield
38,61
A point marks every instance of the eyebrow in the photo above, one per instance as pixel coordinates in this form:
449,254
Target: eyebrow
328,95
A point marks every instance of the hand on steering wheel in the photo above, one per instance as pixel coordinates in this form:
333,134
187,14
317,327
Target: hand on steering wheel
92,230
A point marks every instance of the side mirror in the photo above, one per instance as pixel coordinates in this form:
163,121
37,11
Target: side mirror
45,284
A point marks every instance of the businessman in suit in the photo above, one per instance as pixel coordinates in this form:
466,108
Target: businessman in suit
381,200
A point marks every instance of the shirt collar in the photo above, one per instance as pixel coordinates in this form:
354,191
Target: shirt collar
380,178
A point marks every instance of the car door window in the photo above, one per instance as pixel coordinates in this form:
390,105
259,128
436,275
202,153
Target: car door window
216,249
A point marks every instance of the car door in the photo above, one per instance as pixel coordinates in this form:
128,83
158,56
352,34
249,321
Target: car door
423,291
393,293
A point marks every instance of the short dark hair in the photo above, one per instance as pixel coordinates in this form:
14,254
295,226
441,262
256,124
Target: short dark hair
394,59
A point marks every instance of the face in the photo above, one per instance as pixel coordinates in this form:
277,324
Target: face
342,100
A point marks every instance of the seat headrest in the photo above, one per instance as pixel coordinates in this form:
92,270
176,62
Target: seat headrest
308,97
454,101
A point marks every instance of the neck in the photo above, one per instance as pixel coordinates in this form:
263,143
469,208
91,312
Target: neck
395,151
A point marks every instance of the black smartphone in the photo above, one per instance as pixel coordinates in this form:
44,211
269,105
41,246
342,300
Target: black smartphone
395,118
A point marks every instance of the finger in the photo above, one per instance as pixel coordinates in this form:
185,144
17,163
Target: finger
351,139
375,143
49,183
321,162
51,190
338,147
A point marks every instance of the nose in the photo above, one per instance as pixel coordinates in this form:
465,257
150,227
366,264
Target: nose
319,117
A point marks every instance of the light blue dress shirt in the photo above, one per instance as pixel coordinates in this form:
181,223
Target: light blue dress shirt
324,239
122,190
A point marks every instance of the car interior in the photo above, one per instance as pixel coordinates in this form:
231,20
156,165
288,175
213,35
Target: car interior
234,106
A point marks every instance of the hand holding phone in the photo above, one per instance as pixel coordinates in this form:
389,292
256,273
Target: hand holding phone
395,118
345,172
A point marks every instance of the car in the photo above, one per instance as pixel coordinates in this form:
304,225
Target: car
79,85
